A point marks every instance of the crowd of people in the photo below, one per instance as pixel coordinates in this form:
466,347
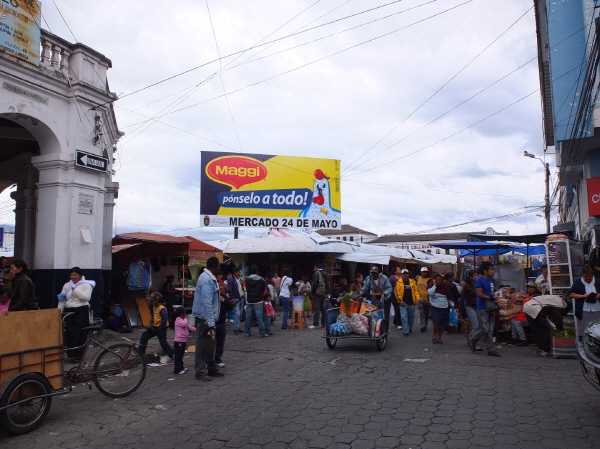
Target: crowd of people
221,298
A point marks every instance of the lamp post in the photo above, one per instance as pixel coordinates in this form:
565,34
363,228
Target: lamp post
547,194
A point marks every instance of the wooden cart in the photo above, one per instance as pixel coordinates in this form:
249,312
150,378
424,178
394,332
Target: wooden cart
31,367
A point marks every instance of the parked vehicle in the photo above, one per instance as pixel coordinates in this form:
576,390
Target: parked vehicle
588,353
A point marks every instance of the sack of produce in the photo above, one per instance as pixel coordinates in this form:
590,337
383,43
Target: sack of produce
338,329
344,319
359,324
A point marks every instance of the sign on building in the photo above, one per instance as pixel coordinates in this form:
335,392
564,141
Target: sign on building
266,191
20,22
593,192
85,204
90,161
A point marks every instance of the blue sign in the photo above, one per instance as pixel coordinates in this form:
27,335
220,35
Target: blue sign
1,237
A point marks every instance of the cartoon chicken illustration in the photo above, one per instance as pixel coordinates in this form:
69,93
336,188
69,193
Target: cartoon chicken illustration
320,206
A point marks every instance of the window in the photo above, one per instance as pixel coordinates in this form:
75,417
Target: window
344,239
351,238
337,238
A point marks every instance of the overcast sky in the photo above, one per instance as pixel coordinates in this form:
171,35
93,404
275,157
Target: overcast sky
357,95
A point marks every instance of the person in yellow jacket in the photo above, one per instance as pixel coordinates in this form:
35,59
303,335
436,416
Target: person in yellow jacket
159,324
406,294
423,299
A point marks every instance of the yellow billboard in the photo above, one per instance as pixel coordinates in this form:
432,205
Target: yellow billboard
20,22
258,190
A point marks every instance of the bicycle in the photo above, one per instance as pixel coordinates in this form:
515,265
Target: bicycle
32,374
117,371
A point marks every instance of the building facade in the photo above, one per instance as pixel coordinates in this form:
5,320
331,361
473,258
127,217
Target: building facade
426,242
57,138
568,58
349,233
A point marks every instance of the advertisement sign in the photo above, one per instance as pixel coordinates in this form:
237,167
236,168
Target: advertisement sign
265,191
593,192
20,22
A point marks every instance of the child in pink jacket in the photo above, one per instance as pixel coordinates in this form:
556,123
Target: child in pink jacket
179,322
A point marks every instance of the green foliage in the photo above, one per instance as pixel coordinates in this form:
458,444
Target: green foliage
568,332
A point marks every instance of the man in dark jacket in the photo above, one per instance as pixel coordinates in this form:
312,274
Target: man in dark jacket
221,329
236,296
320,290
255,292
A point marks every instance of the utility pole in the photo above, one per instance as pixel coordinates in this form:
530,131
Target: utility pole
547,185
547,199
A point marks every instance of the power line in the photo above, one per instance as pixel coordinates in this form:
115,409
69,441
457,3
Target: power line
259,45
515,213
197,86
439,89
322,58
221,77
439,190
447,137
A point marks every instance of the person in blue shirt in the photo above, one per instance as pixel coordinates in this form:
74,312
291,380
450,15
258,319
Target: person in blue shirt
206,310
484,286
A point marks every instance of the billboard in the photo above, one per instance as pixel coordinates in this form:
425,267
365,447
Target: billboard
267,191
20,22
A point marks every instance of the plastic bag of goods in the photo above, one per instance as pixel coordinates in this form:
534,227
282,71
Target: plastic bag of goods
344,319
359,324
338,329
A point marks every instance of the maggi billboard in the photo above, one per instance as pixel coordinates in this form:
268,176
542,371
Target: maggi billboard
20,22
257,190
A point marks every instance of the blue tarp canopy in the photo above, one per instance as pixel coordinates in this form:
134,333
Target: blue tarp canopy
472,246
533,251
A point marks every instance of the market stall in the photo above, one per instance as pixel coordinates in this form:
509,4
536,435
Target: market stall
141,263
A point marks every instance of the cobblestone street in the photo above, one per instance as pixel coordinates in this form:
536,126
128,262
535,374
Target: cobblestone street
291,391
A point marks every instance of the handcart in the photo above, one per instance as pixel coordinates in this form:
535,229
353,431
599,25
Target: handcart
378,334
31,367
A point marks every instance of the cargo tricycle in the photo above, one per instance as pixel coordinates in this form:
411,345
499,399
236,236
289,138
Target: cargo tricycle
32,367
378,329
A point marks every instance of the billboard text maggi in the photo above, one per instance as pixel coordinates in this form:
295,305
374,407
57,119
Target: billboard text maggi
256,190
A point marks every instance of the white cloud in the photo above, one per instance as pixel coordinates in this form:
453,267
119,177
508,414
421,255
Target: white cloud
338,107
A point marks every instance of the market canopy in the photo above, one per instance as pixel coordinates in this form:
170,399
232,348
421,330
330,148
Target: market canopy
135,246
476,246
526,239
343,250
528,250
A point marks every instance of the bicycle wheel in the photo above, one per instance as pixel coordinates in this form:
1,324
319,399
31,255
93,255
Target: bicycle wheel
28,415
331,342
119,370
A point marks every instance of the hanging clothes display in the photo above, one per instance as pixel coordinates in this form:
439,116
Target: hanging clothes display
139,276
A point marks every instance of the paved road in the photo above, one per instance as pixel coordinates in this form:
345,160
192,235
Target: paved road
291,391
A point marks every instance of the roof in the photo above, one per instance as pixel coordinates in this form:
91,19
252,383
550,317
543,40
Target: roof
132,237
459,236
346,229
199,245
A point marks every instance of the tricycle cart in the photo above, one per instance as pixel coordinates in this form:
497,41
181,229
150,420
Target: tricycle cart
380,338
31,367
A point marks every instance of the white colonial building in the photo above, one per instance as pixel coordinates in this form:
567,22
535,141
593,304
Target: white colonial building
50,115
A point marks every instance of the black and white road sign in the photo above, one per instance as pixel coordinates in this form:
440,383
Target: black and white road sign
91,161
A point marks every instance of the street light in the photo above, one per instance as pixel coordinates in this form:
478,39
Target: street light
547,195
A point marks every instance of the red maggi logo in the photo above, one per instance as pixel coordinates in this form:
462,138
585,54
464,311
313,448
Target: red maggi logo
236,171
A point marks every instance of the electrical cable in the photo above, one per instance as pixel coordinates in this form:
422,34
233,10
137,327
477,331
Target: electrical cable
440,190
259,45
447,137
322,58
439,89
194,88
212,27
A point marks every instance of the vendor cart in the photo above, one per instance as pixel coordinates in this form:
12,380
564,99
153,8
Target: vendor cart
31,367
378,336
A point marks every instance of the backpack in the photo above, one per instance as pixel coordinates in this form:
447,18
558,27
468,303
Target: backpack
320,290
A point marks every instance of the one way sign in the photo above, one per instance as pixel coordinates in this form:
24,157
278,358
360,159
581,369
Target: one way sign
91,161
